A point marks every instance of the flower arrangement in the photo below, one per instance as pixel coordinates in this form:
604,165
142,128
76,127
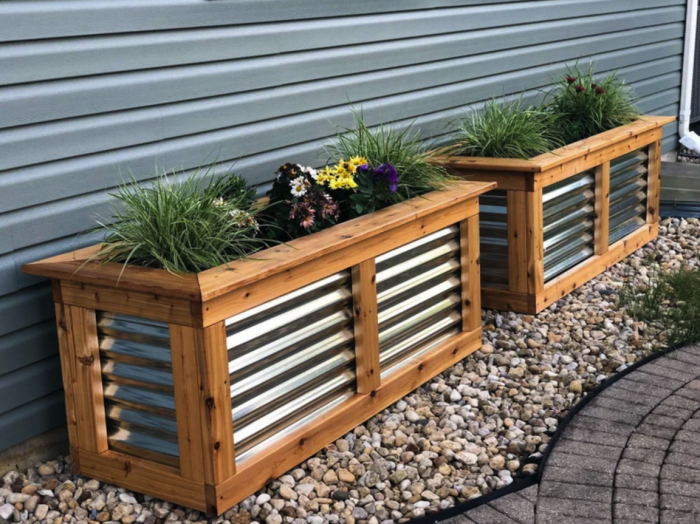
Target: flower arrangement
304,200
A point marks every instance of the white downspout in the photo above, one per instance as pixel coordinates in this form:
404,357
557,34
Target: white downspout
688,139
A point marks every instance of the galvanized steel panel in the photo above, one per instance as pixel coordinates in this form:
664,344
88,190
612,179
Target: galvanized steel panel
628,194
418,295
138,386
568,218
290,357
493,233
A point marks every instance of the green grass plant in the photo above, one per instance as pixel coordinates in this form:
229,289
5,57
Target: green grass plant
583,106
504,130
183,227
672,300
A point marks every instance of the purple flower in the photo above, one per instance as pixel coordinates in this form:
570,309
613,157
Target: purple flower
388,172
363,168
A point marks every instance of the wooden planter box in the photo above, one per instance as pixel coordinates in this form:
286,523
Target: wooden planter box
198,389
562,218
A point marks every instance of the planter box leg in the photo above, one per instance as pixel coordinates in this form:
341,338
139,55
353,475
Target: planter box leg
203,405
535,242
365,310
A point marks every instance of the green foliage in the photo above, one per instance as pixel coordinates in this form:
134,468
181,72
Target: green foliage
672,301
183,227
504,130
583,106
403,149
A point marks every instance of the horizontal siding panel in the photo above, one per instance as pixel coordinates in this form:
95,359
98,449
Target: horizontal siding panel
61,18
26,104
30,383
25,308
75,214
26,346
31,419
38,184
46,60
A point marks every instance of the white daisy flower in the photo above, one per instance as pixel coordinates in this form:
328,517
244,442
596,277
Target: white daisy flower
311,172
218,202
299,186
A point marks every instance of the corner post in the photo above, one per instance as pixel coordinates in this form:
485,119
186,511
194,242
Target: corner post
365,312
471,273
82,379
654,182
203,405
601,233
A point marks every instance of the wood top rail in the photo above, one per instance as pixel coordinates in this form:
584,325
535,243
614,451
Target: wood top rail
218,281
557,157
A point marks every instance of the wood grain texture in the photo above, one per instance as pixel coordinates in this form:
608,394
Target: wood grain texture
142,476
516,206
600,141
508,180
88,396
365,310
307,271
215,409
74,267
602,208
284,257
193,455
591,160
68,372
654,182
303,443
505,300
131,302
471,273
535,242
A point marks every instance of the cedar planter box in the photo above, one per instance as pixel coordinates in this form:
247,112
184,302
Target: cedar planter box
198,389
562,218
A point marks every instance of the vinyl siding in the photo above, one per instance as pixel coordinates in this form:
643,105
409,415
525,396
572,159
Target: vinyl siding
91,90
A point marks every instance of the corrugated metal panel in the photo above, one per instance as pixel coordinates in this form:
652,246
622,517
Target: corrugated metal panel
568,216
418,295
628,194
137,379
92,90
493,231
289,358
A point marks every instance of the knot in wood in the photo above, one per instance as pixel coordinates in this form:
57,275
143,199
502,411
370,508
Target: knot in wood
210,402
87,361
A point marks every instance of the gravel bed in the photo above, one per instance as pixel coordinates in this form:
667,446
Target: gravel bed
475,428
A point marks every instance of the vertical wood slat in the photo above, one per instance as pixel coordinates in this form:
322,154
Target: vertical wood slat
80,334
516,206
67,356
654,182
535,242
602,209
365,311
471,273
203,402
187,401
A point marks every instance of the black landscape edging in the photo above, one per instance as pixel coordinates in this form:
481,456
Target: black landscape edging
531,480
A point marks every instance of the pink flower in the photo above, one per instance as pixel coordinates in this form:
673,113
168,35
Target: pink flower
571,79
599,90
580,89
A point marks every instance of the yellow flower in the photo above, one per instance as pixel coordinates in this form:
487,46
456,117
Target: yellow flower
346,167
358,161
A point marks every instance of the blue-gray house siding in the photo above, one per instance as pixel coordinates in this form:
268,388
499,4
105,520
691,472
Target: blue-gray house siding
93,90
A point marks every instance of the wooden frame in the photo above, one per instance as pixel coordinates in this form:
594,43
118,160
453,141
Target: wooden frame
206,476
525,181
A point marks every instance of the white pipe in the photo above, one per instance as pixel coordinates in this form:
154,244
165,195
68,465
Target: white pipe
691,23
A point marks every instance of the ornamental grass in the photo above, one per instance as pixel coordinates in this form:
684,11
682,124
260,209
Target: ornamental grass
182,227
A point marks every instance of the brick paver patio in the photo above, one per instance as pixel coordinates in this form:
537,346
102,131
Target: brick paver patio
631,456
